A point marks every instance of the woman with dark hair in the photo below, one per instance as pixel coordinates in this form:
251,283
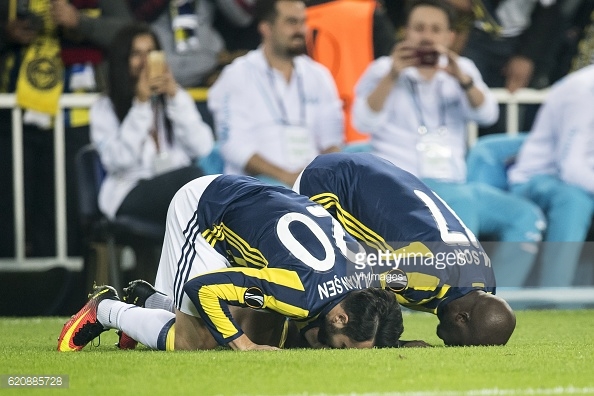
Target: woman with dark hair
147,131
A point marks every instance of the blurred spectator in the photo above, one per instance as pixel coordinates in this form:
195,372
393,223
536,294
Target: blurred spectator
585,47
147,130
47,48
511,44
396,11
555,169
86,29
275,109
416,104
577,44
95,22
511,39
185,30
237,36
345,36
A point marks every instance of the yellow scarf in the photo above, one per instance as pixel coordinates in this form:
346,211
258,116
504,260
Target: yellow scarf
40,80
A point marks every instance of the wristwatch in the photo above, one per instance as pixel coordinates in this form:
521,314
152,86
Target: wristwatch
466,86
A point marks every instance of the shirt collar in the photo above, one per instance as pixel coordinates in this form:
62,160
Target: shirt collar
258,59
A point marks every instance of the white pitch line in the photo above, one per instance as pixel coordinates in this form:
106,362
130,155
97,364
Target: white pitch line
570,390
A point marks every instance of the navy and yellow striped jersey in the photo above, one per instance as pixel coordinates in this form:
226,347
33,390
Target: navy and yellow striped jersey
288,255
402,223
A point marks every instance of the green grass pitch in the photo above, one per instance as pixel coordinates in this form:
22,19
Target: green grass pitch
551,352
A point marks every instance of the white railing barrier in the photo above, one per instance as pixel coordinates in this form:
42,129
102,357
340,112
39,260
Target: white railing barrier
67,101
20,262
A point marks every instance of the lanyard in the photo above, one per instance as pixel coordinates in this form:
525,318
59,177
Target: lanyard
419,110
154,132
280,103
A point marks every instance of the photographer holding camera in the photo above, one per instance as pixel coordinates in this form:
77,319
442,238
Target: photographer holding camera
415,104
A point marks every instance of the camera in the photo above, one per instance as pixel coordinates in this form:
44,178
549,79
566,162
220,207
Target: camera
427,57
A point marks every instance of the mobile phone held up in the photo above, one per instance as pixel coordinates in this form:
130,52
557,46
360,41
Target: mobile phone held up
156,64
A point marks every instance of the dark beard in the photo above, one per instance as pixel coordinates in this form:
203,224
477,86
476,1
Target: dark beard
296,51
326,330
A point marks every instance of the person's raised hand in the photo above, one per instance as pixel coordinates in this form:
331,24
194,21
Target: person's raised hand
64,14
452,67
403,55
163,84
20,31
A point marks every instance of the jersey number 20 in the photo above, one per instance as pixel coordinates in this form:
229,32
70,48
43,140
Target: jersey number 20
299,251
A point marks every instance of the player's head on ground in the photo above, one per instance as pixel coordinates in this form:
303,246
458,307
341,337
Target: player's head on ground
478,318
363,319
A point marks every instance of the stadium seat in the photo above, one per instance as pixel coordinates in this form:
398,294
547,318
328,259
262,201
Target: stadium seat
139,234
213,163
357,147
489,159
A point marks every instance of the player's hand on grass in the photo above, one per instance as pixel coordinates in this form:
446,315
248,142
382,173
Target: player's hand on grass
414,344
243,343
257,347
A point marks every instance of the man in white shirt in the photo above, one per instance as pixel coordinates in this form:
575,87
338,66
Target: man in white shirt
555,169
276,109
415,104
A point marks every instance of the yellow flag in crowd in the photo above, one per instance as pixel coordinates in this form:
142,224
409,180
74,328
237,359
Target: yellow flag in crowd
40,80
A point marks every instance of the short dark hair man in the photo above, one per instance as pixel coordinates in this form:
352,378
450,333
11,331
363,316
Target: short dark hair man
275,108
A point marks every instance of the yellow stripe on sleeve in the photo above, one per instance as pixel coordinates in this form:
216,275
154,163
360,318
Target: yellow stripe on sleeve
351,223
250,254
209,296
420,281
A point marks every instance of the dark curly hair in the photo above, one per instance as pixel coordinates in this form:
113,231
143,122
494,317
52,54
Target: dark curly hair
373,314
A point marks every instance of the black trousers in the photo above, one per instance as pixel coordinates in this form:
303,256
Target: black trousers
150,199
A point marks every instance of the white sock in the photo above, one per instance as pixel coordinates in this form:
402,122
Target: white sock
142,324
107,312
159,301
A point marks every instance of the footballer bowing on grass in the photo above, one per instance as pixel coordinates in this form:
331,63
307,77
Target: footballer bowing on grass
234,241
442,268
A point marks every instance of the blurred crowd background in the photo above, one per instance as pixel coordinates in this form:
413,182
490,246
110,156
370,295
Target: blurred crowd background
214,50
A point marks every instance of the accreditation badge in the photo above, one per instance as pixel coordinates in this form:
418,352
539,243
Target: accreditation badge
435,155
299,145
